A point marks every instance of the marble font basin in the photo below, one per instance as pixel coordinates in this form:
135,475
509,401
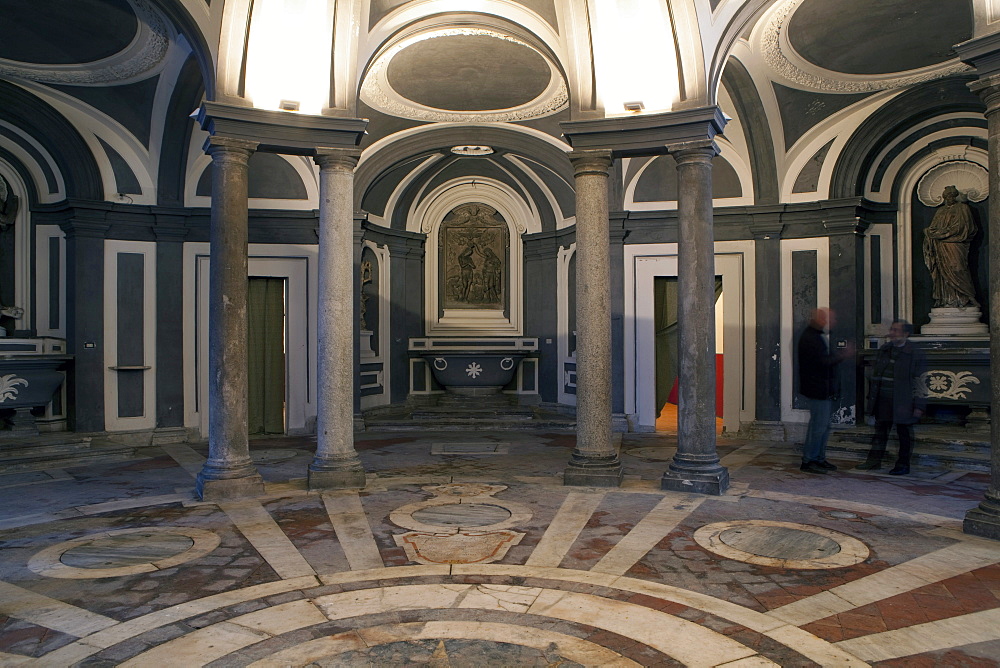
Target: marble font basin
466,371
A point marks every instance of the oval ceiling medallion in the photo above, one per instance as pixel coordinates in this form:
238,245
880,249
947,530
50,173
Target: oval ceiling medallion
464,75
140,58
773,42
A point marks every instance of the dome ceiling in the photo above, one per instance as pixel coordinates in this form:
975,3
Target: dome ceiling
464,74
864,37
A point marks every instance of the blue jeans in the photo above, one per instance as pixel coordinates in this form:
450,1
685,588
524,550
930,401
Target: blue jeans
820,412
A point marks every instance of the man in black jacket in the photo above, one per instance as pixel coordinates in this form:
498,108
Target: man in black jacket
818,382
898,366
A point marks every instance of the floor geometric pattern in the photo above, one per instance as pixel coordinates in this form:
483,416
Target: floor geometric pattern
474,559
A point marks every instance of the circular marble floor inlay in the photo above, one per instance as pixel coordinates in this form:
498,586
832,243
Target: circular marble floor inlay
462,514
109,554
126,550
781,544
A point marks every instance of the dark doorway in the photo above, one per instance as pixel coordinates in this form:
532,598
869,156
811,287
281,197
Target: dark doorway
266,355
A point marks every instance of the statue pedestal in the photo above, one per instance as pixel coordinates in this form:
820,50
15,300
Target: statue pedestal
962,321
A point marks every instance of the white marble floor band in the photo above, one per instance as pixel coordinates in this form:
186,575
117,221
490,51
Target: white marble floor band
253,520
575,649
573,515
645,535
186,457
51,613
919,572
353,531
968,629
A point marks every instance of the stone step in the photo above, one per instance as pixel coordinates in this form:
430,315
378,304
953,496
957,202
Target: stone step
41,446
477,414
931,448
459,424
71,459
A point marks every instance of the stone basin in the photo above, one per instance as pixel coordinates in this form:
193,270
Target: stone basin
27,381
474,371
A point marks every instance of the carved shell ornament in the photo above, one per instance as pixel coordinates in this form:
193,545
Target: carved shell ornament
971,179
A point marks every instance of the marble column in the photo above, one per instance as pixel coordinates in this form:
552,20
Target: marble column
695,467
336,464
594,461
229,471
984,520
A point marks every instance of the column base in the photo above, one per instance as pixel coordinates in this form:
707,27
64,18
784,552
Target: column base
226,489
983,520
339,474
593,471
698,482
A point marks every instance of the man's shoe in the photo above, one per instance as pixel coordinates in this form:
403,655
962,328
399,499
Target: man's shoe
899,470
869,465
812,467
827,465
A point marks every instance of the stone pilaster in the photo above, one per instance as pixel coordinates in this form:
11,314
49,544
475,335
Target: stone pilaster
85,235
594,461
336,464
229,471
984,520
766,229
695,467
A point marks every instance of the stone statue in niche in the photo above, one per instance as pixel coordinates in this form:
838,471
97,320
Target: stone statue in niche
472,244
366,278
946,252
8,215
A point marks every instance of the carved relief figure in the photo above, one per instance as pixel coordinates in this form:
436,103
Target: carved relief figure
473,248
946,252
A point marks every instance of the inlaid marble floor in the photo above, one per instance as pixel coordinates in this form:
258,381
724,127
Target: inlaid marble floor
466,550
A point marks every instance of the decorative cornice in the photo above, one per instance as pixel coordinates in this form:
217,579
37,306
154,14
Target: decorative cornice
645,134
281,131
983,53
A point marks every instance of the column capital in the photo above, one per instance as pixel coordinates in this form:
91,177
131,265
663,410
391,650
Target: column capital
592,161
229,148
342,159
689,151
988,90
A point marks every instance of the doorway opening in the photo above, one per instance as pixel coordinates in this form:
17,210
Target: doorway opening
666,352
266,345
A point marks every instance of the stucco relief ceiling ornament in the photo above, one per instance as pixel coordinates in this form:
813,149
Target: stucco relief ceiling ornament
774,46
377,91
137,61
971,179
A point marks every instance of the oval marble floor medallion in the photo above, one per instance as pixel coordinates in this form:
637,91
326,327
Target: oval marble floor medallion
781,544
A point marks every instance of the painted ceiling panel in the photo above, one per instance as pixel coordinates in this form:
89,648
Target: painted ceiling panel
801,110
864,37
57,32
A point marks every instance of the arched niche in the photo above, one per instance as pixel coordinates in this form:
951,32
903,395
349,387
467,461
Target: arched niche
484,220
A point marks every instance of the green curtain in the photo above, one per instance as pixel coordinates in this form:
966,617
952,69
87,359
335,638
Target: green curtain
266,355
665,309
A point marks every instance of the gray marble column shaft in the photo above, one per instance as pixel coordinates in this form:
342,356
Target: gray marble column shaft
594,461
695,467
984,520
336,464
229,471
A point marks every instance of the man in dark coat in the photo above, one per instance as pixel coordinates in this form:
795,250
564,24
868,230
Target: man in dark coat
818,382
898,366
